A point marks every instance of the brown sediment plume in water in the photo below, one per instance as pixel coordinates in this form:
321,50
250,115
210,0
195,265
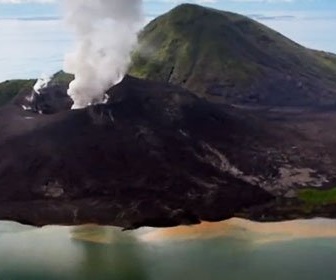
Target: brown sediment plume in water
254,232
94,234
244,229
203,230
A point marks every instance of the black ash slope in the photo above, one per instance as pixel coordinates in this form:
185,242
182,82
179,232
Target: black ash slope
154,155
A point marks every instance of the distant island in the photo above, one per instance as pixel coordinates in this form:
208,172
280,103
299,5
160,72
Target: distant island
219,117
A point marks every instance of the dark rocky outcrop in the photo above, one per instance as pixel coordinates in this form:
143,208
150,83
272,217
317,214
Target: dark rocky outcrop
157,155
51,100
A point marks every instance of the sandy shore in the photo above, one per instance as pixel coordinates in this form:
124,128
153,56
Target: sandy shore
244,229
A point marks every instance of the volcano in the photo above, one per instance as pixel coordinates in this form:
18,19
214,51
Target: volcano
228,119
156,155
230,58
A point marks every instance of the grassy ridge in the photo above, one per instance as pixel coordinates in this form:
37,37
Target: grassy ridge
9,89
179,47
216,53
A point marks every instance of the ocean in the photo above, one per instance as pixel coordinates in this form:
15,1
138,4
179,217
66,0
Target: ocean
232,250
30,48
33,41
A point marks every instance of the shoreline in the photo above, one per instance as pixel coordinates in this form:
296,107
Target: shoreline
240,229
246,229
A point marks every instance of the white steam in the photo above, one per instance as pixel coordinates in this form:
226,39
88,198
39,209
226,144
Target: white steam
41,83
106,33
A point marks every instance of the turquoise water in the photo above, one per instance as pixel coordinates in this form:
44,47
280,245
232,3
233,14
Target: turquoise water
108,253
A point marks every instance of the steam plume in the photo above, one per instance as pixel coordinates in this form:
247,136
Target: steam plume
106,33
41,83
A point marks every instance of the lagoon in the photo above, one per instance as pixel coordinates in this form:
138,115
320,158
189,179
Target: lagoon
236,249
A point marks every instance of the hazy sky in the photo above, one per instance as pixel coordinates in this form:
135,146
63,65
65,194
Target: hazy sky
33,38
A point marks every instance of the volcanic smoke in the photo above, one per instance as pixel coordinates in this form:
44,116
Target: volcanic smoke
106,34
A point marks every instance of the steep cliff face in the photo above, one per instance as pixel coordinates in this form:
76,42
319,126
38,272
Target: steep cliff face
156,154
231,58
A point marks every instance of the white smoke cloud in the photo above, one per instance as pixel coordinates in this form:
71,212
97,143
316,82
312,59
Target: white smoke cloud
41,83
106,33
